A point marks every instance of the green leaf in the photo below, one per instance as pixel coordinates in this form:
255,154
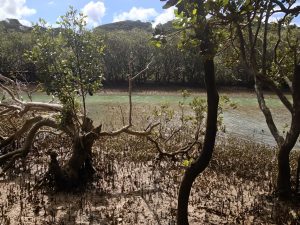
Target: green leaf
195,11
225,2
187,162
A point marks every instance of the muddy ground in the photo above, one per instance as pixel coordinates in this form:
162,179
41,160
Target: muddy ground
132,187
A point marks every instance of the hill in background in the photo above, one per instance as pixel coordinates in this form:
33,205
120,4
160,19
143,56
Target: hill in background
128,25
14,25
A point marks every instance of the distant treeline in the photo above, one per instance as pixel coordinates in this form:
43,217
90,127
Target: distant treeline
170,65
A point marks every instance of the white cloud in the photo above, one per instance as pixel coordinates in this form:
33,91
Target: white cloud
164,17
25,22
135,13
51,3
15,9
94,12
145,15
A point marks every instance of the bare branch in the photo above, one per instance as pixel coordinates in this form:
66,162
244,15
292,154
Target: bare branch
141,133
23,107
10,157
11,94
267,113
257,32
132,78
11,107
265,41
27,125
7,80
242,42
142,71
182,151
5,111
41,106
278,92
126,129
294,11
130,89
114,133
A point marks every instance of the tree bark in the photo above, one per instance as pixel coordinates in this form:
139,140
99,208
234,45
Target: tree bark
78,170
284,188
298,177
209,142
27,126
284,172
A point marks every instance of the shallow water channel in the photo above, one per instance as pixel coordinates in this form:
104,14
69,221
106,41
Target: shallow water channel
249,127
246,121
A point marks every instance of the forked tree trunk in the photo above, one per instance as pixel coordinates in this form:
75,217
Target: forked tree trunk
284,188
79,168
209,142
284,172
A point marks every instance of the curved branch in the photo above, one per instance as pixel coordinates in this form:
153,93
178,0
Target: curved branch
5,111
265,41
25,149
294,11
267,113
126,129
12,107
208,146
40,106
182,151
27,125
277,91
23,107
114,133
142,71
6,79
142,133
131,78
11,94
32,106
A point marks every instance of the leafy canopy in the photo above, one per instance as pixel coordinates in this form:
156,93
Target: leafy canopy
68,58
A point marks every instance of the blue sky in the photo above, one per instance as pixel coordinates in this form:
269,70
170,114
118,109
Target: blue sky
98,11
